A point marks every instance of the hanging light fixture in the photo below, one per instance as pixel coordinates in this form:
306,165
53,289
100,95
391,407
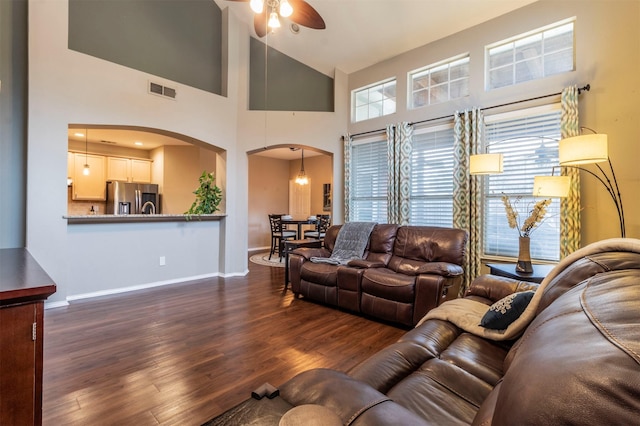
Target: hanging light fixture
274,21
85,170
302,179
275,10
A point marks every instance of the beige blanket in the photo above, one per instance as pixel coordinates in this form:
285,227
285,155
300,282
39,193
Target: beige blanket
467,313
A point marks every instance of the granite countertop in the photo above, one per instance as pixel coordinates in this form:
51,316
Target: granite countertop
140,218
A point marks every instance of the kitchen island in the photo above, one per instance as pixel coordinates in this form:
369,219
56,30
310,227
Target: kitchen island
140,218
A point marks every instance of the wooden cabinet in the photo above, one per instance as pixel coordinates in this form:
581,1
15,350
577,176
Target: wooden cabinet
92,187
118,168
23,288
140,171
129,169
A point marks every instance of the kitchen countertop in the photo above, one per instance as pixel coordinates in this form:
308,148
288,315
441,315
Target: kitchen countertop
141,218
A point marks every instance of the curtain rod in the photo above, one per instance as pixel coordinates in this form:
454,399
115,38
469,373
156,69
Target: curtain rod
584,88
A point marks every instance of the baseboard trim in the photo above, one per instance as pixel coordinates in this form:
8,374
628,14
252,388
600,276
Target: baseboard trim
58,304
140,287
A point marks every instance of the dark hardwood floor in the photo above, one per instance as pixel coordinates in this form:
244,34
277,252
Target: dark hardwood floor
184,353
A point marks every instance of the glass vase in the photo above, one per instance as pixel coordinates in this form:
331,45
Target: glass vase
524,256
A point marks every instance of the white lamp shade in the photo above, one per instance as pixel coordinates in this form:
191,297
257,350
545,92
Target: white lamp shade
485,164
583,149
551,186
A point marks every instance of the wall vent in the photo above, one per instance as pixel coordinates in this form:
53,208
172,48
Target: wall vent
160,90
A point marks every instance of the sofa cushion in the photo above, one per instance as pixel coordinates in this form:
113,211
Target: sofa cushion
319,273
389,285
430,244
506,310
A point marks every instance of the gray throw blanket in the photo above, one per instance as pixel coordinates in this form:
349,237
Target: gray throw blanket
350,244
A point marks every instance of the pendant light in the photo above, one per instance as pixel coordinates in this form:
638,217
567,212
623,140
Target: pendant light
302,179
86,170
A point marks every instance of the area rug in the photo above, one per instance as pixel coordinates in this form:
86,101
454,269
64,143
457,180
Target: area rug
263,259
263,412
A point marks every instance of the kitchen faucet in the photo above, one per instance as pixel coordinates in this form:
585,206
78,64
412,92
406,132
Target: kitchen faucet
144,206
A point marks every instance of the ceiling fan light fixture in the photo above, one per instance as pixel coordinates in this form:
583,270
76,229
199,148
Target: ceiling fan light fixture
257,5
285,8
274,22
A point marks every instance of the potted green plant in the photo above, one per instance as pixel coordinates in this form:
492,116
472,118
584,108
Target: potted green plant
208,196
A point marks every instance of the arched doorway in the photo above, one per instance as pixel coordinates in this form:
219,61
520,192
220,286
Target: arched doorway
271,172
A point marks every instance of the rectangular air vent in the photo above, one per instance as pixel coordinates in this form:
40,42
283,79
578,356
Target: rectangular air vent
160,90
168,91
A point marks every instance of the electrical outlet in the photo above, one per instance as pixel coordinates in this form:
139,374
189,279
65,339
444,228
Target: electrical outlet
163,261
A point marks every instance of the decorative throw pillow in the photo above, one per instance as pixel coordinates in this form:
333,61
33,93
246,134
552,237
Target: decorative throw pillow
506,310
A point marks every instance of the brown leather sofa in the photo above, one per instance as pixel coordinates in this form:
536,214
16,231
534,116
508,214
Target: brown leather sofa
572,357
405,272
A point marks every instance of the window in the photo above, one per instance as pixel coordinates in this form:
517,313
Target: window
528,141
374,101
369,181
439,82
432,177
531,56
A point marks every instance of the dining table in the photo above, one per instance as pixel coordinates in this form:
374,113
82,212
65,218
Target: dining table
299,223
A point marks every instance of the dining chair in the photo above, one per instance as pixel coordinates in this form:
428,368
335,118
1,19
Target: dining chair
279,235
323,223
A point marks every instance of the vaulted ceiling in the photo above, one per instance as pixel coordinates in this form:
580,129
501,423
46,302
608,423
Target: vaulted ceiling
360,33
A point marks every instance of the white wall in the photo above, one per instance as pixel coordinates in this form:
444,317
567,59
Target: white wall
70,87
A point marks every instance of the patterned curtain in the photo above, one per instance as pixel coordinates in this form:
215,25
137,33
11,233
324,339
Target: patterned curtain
570,206
348,142
399,162
468,132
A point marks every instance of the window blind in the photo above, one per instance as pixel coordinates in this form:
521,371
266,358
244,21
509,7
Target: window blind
528,141
432,178
369,182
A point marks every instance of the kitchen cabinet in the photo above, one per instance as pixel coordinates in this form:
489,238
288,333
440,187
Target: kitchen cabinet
23,288
129,169
140,171
70,165
92,187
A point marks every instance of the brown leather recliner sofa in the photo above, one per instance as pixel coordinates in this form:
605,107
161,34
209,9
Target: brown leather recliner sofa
405,272
572,356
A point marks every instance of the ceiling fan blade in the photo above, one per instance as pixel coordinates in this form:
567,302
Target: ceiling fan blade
304,14
260,22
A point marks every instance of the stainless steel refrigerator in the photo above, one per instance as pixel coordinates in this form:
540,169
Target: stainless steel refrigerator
132,198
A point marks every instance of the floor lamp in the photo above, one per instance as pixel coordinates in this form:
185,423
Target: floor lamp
575,152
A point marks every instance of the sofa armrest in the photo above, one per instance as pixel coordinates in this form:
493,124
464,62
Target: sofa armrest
309,252
346,397
431,291
494,288
443,269
365,264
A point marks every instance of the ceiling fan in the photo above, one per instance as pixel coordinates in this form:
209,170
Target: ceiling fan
268,14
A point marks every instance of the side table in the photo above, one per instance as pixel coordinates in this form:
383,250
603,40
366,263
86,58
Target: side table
291,245
509,270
